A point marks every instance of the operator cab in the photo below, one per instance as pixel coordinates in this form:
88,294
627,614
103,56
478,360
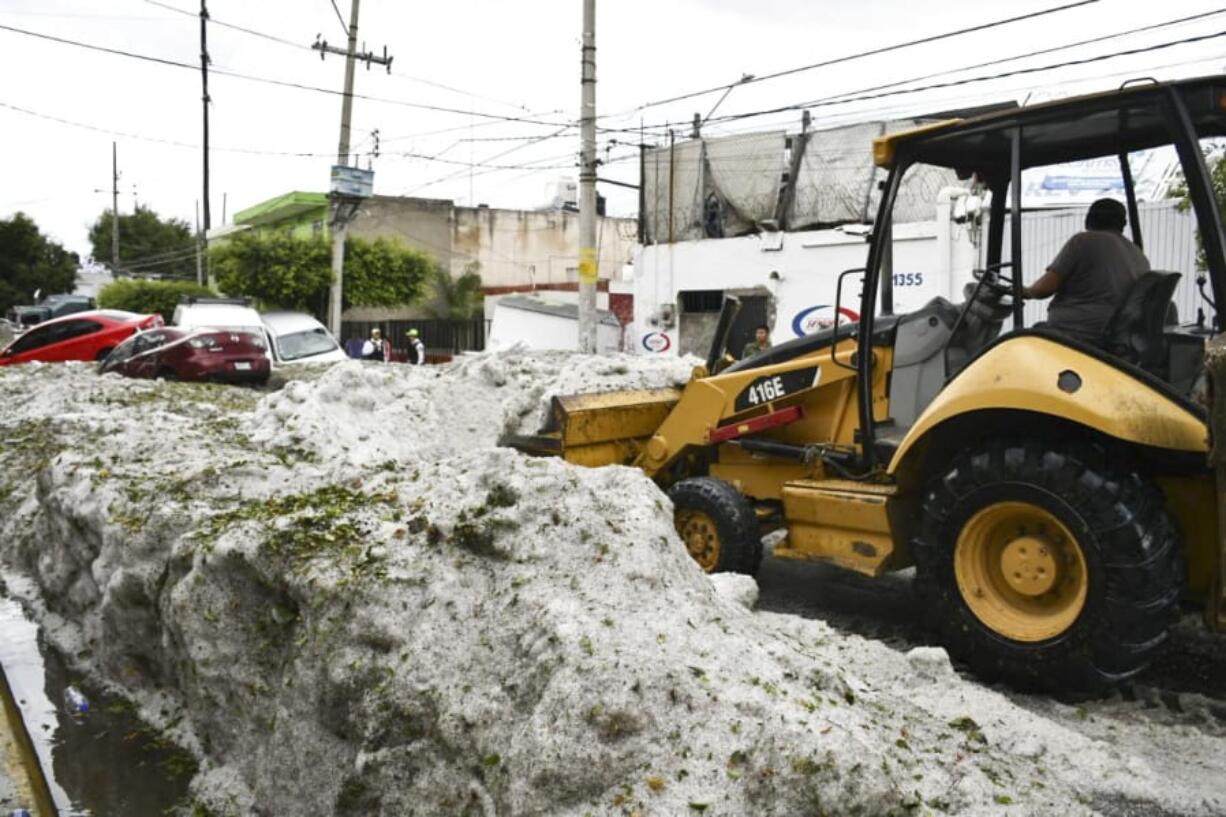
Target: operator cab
995,158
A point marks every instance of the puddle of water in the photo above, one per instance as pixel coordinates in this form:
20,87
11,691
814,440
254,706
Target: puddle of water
109,763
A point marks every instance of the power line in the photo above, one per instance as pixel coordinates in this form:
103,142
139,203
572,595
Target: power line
258,152
861,96
292,44
276,82
871,53
506,152
340,18
213,20
1041,52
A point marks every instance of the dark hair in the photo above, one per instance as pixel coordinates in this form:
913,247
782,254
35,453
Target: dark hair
1106,214
763,327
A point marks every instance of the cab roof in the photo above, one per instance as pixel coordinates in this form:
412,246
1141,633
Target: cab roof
1065,130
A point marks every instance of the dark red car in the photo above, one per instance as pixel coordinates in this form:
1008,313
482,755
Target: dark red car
182,353
83,336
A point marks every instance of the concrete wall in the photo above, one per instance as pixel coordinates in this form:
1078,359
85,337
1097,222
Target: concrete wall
517,248
799,270
421,223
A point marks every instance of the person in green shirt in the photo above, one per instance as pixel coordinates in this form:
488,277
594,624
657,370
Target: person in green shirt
760,343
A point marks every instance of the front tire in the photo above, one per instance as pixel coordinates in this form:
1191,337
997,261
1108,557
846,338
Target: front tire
717,524
1047,568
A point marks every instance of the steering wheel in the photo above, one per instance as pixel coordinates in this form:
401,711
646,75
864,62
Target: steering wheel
991,281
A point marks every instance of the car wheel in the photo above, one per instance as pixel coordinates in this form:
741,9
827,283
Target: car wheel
1047,567
167,374
102,355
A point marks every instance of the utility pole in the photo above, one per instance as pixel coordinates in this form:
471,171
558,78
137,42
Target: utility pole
339,218
202,236
588,269
114,209
199,253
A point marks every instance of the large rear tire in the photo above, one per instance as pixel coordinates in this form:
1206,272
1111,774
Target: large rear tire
717,524
1048,568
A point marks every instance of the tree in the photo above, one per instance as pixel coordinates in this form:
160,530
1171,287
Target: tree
147,244
455,299
279,270
384,272
1216,160
30,261
274,268
144,297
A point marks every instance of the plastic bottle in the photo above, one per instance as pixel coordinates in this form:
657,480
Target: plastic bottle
75,702
21,812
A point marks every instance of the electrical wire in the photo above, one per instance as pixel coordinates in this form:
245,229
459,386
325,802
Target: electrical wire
281,40
340,18
870,53
858,96
277,82
1039,53
223,24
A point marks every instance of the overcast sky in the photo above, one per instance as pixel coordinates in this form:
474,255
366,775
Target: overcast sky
489,60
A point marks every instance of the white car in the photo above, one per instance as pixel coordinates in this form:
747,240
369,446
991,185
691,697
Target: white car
298,338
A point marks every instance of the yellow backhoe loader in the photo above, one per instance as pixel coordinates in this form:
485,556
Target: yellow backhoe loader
1054,495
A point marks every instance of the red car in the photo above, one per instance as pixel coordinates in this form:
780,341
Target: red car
83,336
182,353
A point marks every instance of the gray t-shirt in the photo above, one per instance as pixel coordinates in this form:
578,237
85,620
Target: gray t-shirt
1098,268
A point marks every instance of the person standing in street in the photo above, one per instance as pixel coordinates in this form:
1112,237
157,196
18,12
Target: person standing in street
417,349
760,343
376,347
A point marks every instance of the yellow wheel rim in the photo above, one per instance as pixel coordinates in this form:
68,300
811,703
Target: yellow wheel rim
701,538
1020,571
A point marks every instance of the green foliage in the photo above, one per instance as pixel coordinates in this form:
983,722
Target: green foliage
30,261
279,270
1217,178
138,295
384,272
147,243
455,298
274,268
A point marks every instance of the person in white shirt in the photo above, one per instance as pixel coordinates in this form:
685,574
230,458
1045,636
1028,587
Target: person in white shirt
376,348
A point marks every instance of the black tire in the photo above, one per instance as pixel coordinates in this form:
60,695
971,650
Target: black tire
738,545
1134,566
102,355
169,375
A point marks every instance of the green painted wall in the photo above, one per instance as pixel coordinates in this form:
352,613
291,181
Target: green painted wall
301,214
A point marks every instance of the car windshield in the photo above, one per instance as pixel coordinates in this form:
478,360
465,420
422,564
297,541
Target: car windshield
305,344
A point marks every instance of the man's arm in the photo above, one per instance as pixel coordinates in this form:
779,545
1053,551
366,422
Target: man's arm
1048,285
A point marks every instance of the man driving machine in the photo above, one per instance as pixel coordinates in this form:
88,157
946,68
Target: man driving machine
1091,275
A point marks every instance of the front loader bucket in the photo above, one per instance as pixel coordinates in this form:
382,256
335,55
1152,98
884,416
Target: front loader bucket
608,428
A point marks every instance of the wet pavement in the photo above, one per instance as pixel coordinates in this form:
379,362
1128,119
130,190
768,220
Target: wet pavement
106,763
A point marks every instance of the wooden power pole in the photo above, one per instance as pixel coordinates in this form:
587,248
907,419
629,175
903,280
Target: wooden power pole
340,220
588,262
114,209
204,82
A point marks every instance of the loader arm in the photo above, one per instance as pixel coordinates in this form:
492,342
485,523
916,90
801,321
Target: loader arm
651,429
712,408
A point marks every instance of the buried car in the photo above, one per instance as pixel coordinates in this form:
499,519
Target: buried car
299,338
179,353
83,336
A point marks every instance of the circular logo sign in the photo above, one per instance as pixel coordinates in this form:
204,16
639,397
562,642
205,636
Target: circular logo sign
657,342
816,318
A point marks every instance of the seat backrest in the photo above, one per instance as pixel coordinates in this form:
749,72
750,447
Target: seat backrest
1135,332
